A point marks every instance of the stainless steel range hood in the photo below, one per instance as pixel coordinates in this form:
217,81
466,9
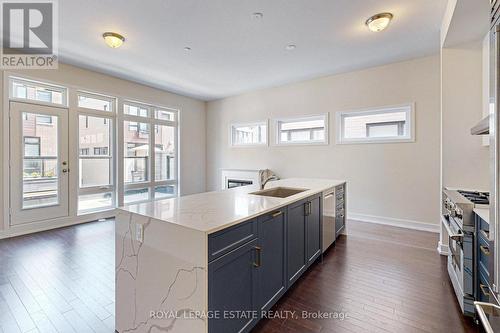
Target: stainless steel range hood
482,128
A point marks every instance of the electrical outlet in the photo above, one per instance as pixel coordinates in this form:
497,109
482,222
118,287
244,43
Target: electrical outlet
139,232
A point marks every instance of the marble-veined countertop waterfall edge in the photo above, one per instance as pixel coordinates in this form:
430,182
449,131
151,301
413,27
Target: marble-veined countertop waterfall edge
162,282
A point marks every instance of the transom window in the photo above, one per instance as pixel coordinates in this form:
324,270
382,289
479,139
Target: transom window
249,134
389,124
37,91
302,130
135,110
95,102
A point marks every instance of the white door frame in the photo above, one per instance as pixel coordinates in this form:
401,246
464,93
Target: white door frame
20,215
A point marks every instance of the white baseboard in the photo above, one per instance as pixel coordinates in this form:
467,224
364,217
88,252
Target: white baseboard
29,228
442,249
401,223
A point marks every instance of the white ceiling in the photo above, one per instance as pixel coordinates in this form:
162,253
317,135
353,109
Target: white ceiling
233,52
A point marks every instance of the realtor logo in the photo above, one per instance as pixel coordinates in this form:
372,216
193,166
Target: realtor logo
29,36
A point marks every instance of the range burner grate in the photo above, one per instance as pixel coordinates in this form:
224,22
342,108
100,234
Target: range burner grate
480,198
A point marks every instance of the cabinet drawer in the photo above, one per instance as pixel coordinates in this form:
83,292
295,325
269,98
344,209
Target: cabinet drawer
483,254
229,239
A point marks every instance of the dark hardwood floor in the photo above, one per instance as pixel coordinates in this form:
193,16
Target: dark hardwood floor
383,279
59,281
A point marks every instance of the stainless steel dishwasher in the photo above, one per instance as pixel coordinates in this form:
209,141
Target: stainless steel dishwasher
328,218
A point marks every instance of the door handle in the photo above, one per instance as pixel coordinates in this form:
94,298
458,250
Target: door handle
258,249
65,170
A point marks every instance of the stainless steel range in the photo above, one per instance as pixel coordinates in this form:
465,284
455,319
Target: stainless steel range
460,224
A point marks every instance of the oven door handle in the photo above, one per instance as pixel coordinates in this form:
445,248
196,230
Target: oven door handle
481,308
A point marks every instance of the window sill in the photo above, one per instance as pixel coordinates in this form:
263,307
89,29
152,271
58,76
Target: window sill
375,141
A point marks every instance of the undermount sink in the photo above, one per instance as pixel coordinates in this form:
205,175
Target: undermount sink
279,192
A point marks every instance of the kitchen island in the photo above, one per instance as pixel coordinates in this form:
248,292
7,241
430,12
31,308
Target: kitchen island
215,261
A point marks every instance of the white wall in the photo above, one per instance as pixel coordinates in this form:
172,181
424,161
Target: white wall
192,117
465,159
396,182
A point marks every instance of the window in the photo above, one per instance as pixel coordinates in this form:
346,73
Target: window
390,124
40,182
96,184
164,152
251,134
165,114
162,192
136,152
100,150
138,127
47,120
149,152
31,146
303,130
135,110
95,102
37,91
95,168
88,203
135,195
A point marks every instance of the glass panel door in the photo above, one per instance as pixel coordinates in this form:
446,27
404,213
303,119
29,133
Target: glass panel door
39,162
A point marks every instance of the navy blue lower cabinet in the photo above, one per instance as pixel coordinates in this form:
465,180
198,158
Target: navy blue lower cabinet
251,265
296,241
272,274
313,229
232,286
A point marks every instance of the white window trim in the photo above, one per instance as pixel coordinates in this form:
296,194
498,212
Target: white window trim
110,99
232,144
151,183
70,99
62,89
277,137
85,190
409,137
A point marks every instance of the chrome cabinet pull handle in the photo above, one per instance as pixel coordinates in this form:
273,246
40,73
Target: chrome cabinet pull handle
258,249
277,214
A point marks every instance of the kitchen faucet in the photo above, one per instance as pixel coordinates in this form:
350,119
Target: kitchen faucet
264,182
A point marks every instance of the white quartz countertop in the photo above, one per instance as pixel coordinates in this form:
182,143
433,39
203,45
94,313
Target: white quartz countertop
483,213
213,211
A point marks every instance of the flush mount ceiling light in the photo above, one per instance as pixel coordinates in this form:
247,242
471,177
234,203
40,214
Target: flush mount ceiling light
113,39
257,15
379,22
290,47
